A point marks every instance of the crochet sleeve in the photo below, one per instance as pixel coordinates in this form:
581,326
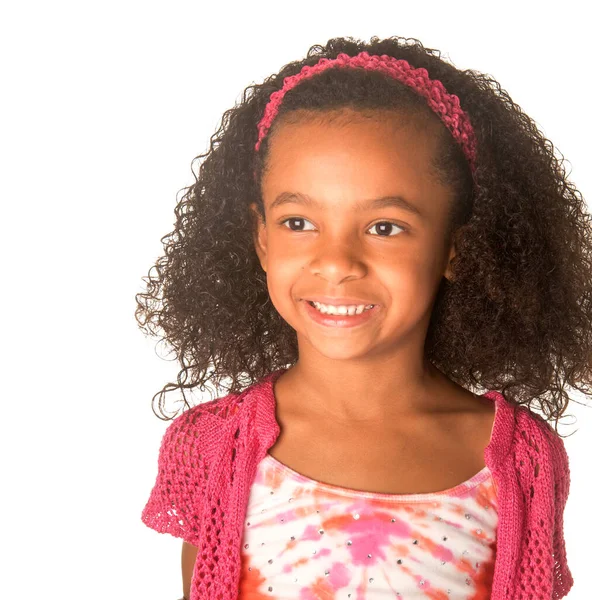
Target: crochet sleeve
562,575
175,502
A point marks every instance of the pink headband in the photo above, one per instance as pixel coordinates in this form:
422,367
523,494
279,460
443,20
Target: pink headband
446,105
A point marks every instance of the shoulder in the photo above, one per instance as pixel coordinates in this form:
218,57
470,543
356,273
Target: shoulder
536,440
196,422
193,438
196,415
536,432
527,427
524,438
208,420
202,429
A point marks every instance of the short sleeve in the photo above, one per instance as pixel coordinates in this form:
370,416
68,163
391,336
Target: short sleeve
563,579
176,500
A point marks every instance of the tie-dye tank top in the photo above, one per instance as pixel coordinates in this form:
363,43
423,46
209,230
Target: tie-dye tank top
308,540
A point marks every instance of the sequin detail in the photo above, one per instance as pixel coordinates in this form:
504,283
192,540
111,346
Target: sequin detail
311,540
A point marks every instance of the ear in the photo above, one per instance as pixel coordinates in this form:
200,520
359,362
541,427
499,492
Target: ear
451,255
259,236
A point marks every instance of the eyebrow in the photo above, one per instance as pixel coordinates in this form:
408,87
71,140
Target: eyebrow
359,206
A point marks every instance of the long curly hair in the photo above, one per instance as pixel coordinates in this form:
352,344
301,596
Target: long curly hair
517,316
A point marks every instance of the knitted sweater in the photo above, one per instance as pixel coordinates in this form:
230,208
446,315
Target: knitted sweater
208,460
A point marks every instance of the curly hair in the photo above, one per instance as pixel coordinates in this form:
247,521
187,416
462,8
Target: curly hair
517,316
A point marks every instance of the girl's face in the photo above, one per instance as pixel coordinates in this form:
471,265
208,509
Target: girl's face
338,244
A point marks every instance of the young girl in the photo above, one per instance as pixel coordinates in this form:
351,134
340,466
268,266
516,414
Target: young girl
373,237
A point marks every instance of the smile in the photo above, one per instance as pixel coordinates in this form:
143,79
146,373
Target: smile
341,318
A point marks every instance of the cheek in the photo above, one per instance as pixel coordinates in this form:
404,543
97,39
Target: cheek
284,262
411,275
281,276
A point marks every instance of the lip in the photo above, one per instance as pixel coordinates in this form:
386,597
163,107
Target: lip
339,301
340,321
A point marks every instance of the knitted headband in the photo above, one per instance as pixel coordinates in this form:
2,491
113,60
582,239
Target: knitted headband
445,105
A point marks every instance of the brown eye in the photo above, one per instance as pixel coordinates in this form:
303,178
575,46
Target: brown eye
386,227
299,223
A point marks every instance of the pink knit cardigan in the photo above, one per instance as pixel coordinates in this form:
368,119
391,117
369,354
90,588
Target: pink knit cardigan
208,460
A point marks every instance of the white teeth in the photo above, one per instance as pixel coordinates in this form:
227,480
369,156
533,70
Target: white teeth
341,310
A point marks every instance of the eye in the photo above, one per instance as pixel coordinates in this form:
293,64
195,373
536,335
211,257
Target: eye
387,226
297,219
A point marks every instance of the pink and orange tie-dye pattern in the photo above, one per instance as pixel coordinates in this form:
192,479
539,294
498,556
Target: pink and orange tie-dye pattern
308,540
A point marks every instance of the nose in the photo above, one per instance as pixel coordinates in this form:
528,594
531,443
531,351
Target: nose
338,261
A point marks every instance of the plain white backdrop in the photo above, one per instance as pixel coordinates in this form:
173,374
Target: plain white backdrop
103,106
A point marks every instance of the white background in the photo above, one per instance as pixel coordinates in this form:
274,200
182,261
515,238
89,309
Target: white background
103,106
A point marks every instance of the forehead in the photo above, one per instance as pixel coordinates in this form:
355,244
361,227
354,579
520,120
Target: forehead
366,153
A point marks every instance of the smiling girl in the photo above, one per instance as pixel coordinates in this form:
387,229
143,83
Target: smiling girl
387,263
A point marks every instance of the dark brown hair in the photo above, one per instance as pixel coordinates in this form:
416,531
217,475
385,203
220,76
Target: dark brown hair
518,316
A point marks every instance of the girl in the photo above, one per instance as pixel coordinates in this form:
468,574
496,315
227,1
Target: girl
373,236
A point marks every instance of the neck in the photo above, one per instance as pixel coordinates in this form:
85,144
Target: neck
356,393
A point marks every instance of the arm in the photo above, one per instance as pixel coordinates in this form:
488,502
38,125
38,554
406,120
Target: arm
188,556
